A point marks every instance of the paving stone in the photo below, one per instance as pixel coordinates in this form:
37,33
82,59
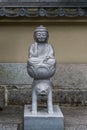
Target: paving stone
11,118
78,127
75,118
8,126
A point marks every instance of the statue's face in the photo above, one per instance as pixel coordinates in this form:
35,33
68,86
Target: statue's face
41,36
42,90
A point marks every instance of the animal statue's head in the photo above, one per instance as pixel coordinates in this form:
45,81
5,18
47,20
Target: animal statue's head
42,89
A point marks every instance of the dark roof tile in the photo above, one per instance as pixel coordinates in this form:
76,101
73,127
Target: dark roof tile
43,1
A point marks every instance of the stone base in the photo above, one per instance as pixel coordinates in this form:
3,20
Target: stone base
42,120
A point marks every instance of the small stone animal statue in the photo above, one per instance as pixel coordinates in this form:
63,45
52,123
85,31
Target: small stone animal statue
42,87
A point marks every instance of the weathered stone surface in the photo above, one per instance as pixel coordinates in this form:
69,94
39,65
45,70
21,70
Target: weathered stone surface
67,75
71,76
14,73
8,126
11,118
2,98
72,97
75,118
20,95
69,84
78,127
43,120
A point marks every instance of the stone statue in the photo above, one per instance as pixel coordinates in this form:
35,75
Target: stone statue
41,67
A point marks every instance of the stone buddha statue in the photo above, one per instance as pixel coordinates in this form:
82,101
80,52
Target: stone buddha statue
41,67
41,61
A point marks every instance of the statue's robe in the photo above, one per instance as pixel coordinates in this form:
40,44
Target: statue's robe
41,55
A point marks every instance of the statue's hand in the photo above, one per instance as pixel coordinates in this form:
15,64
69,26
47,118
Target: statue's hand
45,60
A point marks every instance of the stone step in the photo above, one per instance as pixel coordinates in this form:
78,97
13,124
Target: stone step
11,118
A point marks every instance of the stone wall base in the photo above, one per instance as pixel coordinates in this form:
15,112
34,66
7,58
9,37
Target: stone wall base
69,84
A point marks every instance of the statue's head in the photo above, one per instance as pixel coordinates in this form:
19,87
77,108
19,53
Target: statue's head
42,89
41,34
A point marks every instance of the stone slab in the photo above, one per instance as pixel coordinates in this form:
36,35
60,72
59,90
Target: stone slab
8,126
72,76
42,120
14,73
21,95
75,118
11,118
2,98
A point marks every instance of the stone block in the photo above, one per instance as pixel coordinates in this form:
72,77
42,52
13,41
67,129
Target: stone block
70,96
11,118
8,126
75,117
42,120
2,98
20,95
14,73
69,84
70,76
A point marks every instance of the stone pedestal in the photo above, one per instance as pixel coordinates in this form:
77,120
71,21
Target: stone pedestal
42,120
